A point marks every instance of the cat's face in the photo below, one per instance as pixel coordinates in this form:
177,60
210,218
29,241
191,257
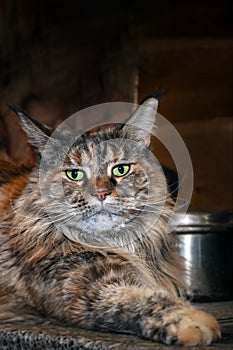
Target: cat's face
109,183
104,185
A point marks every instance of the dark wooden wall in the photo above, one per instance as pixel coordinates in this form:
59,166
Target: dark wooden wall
57,57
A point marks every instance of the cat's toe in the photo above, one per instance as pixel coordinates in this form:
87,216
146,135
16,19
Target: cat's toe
198,328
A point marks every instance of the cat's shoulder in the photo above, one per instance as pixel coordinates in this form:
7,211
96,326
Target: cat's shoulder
13,179
10,171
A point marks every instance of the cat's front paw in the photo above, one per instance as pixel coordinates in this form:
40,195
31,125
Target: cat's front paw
197,327
187,327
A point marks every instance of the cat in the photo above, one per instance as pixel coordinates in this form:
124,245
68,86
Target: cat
93,251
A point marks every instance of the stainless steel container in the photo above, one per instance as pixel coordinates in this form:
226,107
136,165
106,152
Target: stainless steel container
206,243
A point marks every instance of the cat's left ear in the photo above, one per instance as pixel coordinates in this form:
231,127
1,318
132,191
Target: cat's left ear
38,134
141,123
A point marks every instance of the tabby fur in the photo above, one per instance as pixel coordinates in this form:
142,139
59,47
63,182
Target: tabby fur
85,266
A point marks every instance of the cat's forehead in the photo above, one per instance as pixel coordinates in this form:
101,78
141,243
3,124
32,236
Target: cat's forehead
97,147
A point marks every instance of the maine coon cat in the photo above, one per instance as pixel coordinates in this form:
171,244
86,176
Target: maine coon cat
86,253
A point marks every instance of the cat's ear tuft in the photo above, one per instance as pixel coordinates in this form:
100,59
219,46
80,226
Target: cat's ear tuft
140,125
157,94
37,133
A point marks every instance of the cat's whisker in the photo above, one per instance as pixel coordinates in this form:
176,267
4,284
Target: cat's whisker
61,223
59,219
14,210
144,202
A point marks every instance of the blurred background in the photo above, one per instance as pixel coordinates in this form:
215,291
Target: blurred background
57,57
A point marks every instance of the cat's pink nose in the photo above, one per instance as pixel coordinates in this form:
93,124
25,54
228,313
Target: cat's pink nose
102,194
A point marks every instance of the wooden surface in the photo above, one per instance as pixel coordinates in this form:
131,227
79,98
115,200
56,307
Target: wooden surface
56,337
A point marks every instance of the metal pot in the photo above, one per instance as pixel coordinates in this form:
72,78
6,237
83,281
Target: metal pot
206,243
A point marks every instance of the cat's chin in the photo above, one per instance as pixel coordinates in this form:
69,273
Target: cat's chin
103,221
102,228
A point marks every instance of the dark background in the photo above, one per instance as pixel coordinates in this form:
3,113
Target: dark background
57,57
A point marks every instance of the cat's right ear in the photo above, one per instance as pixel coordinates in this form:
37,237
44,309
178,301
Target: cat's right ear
38,134
139,126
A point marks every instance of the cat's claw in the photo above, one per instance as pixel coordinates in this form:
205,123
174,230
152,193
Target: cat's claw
198,328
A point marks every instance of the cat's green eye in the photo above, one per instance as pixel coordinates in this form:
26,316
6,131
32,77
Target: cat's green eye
75,175
120,170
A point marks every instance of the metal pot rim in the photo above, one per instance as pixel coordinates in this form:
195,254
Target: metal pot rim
206,221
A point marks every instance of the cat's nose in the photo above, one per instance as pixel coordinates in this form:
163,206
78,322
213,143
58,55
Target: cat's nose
102,194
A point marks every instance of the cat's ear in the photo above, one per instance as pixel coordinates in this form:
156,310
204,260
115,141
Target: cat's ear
141,123
38,134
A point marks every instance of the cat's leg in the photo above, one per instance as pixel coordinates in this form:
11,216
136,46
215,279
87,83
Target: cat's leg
113,302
